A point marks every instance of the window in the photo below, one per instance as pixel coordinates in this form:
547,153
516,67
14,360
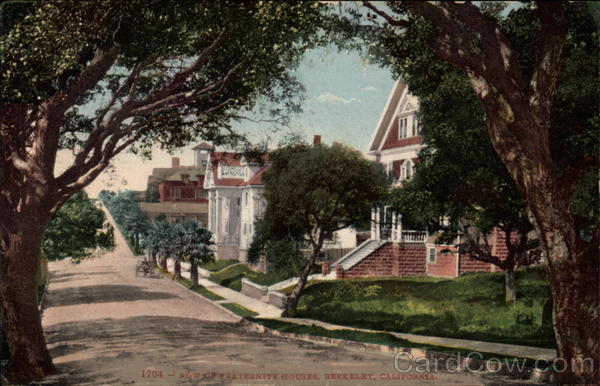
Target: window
402,126
409,169
431,255
200,193
239,201
247,199
176,193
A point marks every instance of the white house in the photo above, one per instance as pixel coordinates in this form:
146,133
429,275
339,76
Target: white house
235,199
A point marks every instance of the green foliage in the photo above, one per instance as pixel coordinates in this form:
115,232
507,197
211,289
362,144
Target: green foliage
319,187
217,265
460,175
470,307
239,310
128,216
199,289
152,194
46,45
78,226
282,254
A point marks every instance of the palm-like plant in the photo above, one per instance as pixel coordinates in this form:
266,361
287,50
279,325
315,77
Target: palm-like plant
198,242
152,242
165,235
180,246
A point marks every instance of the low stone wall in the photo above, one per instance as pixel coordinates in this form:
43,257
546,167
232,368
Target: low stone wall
277,299
253,290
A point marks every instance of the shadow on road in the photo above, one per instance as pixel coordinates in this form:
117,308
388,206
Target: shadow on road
102,294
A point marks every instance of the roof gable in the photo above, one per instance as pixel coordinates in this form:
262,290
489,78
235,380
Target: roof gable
386,116
399,102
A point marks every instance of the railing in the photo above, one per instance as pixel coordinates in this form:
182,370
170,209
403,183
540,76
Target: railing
413,236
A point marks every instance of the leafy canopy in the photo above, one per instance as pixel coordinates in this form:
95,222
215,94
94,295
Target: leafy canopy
76,228
316,190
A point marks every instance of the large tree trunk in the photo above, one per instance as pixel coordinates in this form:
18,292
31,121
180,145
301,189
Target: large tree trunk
510,285
294,298
576,299
21,238
153,259
193,272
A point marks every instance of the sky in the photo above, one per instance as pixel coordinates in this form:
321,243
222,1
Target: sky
345,96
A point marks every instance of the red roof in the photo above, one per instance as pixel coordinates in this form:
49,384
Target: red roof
257,179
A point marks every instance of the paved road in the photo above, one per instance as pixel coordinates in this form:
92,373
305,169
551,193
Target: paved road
104,325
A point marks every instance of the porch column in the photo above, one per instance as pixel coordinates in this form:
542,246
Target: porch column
374,223
400,238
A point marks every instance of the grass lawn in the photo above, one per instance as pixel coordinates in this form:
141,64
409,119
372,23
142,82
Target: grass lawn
470,307
239,310
197,288
217,265
377,338
232,277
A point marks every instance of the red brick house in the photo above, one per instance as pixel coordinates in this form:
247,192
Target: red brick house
181,190
392,250
185,186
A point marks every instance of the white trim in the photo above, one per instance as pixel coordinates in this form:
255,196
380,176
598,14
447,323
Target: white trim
390,123
381,118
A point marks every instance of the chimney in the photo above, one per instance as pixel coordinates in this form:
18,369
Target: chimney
175,162
316,140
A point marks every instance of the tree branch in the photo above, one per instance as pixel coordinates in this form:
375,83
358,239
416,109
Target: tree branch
385,15
544,81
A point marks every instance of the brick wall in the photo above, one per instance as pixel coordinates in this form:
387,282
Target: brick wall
392,259
467,264
445,262
188,191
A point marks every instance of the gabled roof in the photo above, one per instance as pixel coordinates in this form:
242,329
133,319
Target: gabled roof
385,135
257,179
217,159
203,146
387,115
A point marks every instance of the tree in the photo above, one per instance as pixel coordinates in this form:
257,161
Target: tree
164,72
166,241
198,242
311,192
281,254
517,88
152,194
78,226
128,216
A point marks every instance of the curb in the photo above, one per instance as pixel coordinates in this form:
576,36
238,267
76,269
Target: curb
212,302
459,364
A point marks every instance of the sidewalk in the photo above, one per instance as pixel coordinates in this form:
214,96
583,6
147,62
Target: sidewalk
269,311
474,345
263,309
